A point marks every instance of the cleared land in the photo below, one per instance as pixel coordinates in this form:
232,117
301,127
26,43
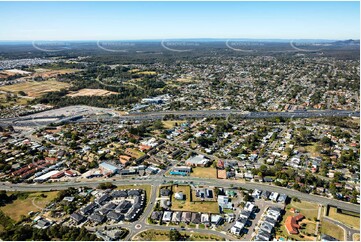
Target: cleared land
333,230
348,220
191,206
147,73
204,172
91,92
46,73
36,89
14,72
33,202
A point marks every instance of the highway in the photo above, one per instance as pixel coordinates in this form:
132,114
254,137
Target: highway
141,116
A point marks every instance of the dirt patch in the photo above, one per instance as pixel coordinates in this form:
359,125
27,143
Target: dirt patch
91,92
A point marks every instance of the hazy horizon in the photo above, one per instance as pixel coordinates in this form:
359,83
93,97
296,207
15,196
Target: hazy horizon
91,21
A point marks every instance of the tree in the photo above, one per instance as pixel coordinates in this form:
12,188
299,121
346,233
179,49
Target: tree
174,235
106,185
22,93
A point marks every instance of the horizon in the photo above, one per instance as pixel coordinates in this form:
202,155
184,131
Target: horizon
149,21
205,39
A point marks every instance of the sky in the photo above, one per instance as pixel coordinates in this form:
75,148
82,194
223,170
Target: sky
172,20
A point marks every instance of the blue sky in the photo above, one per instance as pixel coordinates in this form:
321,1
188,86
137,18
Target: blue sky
166,20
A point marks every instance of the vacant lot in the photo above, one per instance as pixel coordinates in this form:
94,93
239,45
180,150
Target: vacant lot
312,149
91,92
333,230
36,89
33,202
172,123
204,172
188,205
348,220
134,153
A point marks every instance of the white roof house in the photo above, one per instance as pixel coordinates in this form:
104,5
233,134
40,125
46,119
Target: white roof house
167,216
237,228
273,196
249,206
205,218
179,195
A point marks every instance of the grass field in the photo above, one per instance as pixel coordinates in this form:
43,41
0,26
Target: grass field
36,89
188,205
349,220
163,235
147,188
333,230
309,210
172,123
204,172
91,92
33,202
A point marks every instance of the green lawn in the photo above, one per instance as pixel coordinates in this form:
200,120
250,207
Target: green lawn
333,230
308,209
349,220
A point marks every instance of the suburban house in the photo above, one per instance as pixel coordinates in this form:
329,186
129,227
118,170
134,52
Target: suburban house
292,225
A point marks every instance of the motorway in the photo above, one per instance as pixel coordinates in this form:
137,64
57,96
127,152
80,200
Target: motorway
47,119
